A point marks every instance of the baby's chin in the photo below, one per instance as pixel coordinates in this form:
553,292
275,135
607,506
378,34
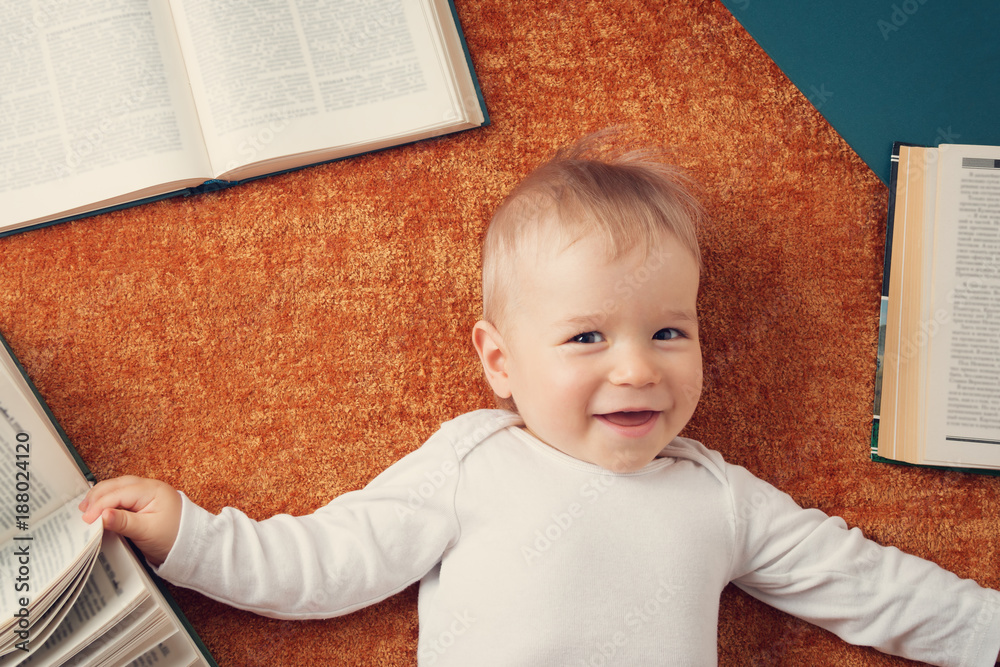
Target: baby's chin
609,452
620,458
623,464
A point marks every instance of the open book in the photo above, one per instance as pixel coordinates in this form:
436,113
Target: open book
71,595
112,102
938,379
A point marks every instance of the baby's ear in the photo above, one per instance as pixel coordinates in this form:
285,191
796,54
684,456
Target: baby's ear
493,353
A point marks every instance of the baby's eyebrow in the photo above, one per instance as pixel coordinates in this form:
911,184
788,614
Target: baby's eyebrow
682,315
581,322
596,320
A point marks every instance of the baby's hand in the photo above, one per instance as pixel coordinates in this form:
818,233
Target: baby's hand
144,510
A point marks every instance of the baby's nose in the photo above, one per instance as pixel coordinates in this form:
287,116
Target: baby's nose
634,368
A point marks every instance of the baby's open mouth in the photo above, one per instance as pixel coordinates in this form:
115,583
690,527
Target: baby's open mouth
637,418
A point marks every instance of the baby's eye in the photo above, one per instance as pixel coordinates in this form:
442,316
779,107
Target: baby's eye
589,337
668,334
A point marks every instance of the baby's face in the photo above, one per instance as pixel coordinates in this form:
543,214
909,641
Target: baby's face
602,357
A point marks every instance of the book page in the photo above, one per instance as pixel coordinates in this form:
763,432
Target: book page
963,401
172,652
147,634
930,317
45,556
45,626
903,352
34,462
109,612
456,59
63,648
147,626
288,77
94,104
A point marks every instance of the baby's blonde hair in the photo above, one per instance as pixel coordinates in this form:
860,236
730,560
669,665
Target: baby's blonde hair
630,198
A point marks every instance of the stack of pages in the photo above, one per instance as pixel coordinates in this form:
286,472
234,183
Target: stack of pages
72,595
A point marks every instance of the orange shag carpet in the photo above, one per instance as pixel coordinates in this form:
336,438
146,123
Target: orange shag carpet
276,344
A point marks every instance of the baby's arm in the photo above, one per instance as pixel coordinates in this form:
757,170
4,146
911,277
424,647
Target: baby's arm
144,510
363,546
812,566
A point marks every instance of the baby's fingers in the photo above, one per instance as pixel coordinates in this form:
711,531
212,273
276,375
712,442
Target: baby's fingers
135,494
139,528
145,510
129,492
154,534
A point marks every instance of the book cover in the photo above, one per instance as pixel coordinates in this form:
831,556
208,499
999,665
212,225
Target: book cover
913,71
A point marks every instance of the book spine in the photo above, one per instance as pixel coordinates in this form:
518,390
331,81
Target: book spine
98,211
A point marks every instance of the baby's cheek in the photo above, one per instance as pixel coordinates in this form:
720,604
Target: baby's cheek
692,385
567,378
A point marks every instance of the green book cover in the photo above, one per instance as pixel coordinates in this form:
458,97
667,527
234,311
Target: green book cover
916,71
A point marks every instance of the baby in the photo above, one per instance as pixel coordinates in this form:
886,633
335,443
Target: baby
574,527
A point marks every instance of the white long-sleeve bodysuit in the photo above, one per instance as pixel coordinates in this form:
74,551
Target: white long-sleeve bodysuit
527,556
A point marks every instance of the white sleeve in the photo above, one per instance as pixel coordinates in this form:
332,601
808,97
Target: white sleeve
361,548
813,567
